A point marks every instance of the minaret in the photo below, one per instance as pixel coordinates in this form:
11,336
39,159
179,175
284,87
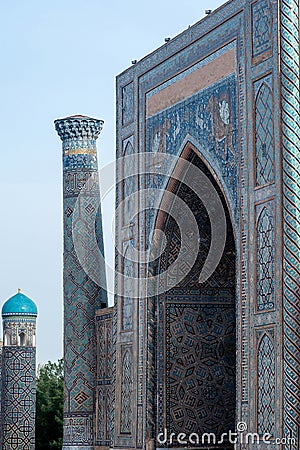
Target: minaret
18,394
84,291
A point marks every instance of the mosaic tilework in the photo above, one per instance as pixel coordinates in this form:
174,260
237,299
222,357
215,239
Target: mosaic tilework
266,385
199,374
13,327
127,310
265,261
289,21
210,118
105,419
78,429
149,73
242,237
264,140
105,400
218,115
127,104
126,301
126,392
261,27
195,361
18,398
175,58
129,186
115,375
190,70
82,296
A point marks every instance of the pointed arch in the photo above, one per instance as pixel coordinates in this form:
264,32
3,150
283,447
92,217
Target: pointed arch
178,175
128,150
129,183
189,146
190,357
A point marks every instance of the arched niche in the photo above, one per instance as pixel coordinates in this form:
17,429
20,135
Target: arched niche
193,366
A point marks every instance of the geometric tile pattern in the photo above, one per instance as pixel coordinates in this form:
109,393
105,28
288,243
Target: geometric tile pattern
199,368
127,104
82,296
266,386
201,116
18,398
104,400
290,100
129,186
126,392
81,397
261,27
264,140
78,429
265,261
105,417
127,309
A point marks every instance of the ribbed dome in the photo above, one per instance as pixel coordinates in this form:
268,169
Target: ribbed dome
19,305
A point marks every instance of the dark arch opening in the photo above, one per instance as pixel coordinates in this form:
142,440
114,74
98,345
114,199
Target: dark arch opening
22,339
194,332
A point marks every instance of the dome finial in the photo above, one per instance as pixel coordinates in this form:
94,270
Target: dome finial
19,290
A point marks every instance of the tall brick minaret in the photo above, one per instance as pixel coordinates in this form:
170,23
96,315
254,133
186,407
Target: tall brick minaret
84,277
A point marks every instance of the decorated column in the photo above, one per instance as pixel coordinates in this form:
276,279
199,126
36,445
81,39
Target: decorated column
84,274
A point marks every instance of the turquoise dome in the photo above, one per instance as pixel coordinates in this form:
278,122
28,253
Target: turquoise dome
19,305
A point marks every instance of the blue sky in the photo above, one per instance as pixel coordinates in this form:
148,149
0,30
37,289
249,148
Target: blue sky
60,58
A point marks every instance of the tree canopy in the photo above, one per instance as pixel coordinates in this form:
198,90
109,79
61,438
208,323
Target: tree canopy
49,406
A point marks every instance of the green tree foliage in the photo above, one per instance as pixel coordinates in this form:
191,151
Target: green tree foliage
49,406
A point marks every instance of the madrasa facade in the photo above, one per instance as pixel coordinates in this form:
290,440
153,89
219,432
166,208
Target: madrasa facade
202,345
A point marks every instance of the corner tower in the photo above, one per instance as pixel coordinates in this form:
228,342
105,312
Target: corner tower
19,315
84,277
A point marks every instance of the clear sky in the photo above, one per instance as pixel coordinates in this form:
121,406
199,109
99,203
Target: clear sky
60,58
